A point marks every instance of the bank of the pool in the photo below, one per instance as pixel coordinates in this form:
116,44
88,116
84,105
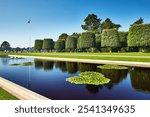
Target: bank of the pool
125,63
19,91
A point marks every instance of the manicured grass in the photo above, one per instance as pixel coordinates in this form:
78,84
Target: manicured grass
95,56
6,96
118,67
93,78
133,57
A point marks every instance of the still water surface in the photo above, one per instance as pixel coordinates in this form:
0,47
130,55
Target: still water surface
48,78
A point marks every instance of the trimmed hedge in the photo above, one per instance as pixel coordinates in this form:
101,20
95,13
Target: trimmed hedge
123,39
71,43
98,41
48,44
87,40
59,45
110,38
139,35
38,45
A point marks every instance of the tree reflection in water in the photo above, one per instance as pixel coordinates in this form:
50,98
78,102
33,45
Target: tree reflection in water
72,68
116,76
5,61
38,64
140,79
87,67
48,65
61,65
93,89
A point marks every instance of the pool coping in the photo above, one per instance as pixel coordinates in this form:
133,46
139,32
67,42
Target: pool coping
125,63
19,91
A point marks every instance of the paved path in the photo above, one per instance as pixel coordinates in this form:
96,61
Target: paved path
19,91
125,63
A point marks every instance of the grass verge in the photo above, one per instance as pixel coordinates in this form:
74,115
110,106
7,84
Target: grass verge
4,95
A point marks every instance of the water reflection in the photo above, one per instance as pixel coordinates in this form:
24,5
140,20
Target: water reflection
48,65
38,64
140,79
72,68
5,61
61,66
116,76
87,67
93,89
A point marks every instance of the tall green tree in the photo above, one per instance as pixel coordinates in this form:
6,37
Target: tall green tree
38,45
63,36
108,24
87,40
59,45
139,36
48,44
123,39
110,39
92,23
5,46
139,21
71,43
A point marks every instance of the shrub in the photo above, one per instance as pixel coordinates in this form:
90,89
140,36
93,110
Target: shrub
110,38
38,45
71,43
87,40
98,41
59,45
139,35
123,38
48,44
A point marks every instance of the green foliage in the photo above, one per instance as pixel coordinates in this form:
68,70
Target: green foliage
59,45
112,67
87,40
71,43
123,38
22,64
48,44
139,35
98,41
92,23
108,24
93,78
76,35
63,36
110,38
38,45
6,96
5,46
139,21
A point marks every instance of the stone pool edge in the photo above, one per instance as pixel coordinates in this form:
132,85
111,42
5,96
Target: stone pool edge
19,91
125,63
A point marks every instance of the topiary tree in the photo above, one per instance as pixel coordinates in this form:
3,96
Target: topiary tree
110,39
98,41
38,45
59,45
139,36
87,40
123,39
48,44
63,37
71,43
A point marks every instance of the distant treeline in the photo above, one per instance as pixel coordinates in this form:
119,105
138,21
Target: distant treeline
100,37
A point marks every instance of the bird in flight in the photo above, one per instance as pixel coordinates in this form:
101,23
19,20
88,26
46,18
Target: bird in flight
29,22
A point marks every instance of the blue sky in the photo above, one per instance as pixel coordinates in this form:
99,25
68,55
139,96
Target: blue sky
50,18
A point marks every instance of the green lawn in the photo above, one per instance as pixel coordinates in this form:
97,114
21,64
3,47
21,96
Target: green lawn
96,56
133,57
6,96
